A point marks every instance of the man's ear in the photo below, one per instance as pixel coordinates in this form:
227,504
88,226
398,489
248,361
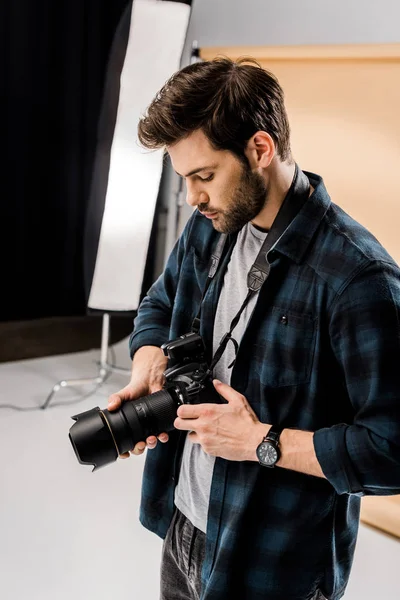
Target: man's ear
260,150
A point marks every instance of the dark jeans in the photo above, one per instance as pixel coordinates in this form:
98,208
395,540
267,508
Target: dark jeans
182,558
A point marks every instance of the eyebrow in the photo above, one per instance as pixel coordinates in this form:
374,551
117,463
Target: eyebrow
206,168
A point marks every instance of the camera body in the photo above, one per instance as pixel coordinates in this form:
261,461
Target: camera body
187,365
100,436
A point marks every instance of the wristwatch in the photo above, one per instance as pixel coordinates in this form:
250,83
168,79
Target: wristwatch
268,452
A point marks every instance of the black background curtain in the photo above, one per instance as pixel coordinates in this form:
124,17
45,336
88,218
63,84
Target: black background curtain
52,70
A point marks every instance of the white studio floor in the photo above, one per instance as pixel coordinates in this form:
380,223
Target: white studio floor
67,533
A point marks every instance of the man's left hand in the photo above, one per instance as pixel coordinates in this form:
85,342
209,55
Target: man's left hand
231,431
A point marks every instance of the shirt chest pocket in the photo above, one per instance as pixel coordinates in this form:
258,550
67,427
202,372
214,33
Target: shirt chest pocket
284,348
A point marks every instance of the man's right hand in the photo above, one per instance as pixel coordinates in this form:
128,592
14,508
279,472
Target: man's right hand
148,367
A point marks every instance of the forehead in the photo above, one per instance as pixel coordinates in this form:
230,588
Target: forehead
194,151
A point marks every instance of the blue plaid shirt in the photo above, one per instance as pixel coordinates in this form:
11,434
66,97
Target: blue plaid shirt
332,367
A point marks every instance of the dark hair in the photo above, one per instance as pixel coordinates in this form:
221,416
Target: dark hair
229,100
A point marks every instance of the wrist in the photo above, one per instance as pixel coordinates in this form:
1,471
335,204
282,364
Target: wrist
148,357
145,353
149,362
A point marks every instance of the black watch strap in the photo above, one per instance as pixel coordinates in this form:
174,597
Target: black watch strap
273,434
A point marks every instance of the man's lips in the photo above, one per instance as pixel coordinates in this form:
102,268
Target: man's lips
210,215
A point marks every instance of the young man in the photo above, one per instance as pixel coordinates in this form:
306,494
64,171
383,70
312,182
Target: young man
259,497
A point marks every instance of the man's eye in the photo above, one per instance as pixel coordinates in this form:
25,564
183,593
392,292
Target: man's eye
207,178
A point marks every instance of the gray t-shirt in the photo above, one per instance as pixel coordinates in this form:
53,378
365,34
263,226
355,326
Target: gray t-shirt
193,490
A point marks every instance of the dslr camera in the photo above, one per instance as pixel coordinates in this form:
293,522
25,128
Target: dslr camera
99,436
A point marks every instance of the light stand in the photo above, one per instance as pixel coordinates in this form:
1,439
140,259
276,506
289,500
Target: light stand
105,368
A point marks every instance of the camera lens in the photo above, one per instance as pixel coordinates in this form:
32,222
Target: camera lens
98,437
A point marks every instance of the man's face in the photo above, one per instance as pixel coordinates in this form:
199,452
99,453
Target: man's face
218,183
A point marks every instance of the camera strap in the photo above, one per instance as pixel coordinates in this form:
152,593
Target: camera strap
214,262
295,199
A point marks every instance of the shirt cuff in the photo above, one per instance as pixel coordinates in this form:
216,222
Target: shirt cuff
149,337
332,454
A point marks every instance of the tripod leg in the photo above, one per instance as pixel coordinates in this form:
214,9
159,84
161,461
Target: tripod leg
104,368
101,378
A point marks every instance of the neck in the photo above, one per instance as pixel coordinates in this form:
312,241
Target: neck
279,179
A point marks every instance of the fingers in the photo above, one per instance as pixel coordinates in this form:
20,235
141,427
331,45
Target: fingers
114,402
226,391
138,449
129,392
151,442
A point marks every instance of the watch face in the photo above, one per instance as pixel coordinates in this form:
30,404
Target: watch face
267,453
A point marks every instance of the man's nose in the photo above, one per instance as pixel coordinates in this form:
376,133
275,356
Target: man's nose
194,197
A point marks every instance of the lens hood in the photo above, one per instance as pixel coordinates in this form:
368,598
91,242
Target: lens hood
92,440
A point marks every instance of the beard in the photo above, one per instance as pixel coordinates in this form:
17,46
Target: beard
245,202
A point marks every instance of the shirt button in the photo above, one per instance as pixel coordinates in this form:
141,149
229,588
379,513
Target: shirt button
284,320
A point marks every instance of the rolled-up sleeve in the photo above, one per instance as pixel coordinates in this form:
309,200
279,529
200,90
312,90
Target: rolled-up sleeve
363,457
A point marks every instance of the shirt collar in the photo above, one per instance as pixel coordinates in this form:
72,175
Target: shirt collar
297,237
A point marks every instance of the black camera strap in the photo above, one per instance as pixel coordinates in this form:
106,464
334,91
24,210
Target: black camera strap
214,263
258,274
